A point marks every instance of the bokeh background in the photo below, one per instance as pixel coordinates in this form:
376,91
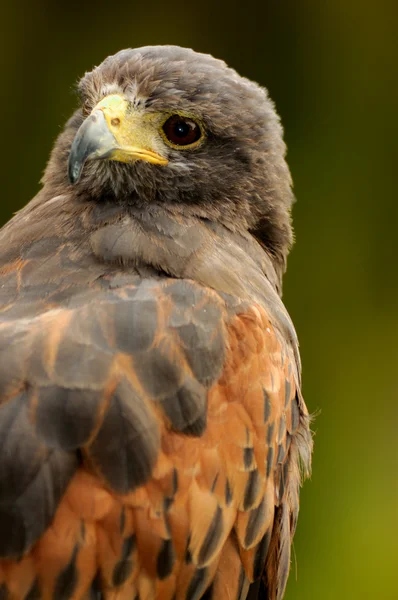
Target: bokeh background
331,67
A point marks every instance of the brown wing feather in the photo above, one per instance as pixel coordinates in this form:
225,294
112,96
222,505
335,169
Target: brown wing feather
188,422
150,428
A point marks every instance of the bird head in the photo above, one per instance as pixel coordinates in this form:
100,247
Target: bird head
168,125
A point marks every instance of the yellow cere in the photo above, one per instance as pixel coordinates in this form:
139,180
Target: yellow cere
136,133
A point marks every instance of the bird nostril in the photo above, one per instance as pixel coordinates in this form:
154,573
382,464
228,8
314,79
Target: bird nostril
115,121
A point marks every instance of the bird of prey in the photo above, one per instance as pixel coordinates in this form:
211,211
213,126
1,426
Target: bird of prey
152,428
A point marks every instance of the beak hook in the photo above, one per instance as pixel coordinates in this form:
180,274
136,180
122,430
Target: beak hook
93,140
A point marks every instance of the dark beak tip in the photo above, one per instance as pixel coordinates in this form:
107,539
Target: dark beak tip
92,140
74,173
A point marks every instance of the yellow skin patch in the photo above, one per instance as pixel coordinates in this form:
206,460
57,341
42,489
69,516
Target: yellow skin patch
136,133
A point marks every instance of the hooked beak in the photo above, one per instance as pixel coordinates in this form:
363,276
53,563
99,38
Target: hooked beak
113,131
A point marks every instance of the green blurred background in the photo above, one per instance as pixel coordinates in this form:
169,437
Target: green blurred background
331,67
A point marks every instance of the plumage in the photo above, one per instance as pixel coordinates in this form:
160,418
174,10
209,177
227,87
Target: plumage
152,427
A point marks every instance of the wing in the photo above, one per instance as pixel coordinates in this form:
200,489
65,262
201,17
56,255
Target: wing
151,431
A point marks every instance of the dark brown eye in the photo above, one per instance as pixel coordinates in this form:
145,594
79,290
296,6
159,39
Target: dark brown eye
182,131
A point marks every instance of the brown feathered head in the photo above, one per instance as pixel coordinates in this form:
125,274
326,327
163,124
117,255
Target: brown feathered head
167,125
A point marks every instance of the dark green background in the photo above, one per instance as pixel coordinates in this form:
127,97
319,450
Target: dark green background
331,67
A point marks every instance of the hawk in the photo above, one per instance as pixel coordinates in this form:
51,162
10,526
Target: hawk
152,428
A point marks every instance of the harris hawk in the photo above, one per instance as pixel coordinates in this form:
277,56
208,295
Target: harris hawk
152,429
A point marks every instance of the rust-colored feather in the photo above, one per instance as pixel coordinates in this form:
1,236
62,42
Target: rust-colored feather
212,511
151,427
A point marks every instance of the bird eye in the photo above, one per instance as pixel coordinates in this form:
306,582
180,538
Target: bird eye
181,131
